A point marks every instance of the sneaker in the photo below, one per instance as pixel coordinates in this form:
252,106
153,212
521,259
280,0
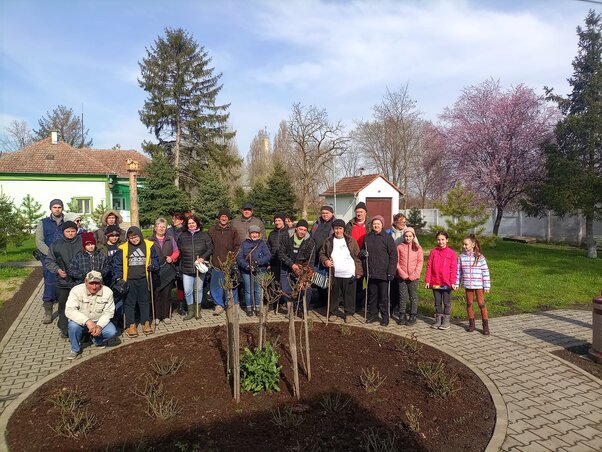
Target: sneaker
348,318
332,318
445,325
132,330
249,313
411,320
167,320
101,346
257,311
146,329
371,319
384,322
73,355
218,310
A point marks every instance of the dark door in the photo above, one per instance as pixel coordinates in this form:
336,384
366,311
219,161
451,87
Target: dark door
380,206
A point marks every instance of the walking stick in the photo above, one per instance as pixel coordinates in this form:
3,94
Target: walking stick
252,288
196,293
150,280
328,302
367,278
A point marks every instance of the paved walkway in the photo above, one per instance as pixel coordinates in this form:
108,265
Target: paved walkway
548,403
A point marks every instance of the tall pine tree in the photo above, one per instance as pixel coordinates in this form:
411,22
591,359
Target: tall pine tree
276,194
159,197
212,195
573,176
181,108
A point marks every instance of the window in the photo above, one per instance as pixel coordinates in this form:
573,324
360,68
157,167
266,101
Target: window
84,205
119,203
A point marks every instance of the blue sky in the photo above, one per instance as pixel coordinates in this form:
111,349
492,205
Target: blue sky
336,55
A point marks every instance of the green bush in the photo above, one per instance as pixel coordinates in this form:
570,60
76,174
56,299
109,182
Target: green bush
260,370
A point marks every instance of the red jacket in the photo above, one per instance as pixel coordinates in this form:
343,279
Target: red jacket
441,267
409,262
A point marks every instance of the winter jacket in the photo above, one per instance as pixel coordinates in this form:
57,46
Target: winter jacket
242,226
169,248
60,255
382,255
259,253
275,238
441,267
471,275
354,250
287,256
175,232
224,239
398,235
409,262
359,237
82,306
320,231
192,246
120,261
84,262
100,235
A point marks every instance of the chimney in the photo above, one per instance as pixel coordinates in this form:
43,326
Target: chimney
54,136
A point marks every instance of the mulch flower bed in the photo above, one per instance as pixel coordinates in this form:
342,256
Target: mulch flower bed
335,411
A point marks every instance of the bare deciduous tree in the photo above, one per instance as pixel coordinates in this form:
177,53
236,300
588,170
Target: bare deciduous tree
430,178
390,141
16,136
316,142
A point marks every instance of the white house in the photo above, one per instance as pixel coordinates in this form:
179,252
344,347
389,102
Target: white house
380,195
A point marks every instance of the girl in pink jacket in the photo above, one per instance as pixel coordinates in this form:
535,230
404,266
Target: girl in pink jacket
409,267
441,277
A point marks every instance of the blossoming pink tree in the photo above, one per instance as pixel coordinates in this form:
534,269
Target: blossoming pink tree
494,141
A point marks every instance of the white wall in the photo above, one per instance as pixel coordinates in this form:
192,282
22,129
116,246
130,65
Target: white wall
345,206
45,191
570,229
380,188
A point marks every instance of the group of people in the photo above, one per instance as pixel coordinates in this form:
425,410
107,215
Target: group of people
99,278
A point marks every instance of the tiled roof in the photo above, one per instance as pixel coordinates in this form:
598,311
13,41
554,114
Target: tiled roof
43,157
353,185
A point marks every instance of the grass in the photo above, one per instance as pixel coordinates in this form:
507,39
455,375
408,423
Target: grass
526,278
21,253
11,279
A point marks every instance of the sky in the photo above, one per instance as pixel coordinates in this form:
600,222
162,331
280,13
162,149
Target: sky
340,56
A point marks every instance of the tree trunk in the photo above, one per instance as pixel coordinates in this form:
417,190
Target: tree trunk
498,219
592,252
306,327
177,155
292,343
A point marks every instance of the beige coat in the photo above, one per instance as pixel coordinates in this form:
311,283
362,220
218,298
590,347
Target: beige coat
82,306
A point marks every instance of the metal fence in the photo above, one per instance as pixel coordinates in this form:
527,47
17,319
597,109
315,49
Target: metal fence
570,229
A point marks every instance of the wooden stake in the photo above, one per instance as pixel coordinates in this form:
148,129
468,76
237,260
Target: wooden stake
292,340
236,355
329,286
306,334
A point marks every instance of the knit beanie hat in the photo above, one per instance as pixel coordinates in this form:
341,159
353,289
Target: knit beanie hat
361,205
379,218
112,229
56,202
338,223
280,215
409,229
327,207
69,225
224,211
88,238
302,222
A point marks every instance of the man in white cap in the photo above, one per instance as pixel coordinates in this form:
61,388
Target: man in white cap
90,307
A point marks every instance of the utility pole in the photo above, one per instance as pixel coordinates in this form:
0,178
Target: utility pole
132,167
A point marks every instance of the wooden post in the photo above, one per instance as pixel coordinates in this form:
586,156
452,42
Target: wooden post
292,340
307,356
132,167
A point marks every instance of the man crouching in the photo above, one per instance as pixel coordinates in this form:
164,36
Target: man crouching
90,306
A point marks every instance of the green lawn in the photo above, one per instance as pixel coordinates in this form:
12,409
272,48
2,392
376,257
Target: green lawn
22,253
9,285
527,278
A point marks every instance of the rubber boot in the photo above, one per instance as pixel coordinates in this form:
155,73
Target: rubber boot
486,327
445,325
471,325
400,319
191,312
438,320
411,320
47,312
182,308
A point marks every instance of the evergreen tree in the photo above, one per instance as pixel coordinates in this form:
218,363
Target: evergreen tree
468,215
573,172
96,215
415,219
68,125
159,197
30,209
181,108
212,195
276,194
12,229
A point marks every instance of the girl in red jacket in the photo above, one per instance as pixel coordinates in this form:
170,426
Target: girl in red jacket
409,267
441,277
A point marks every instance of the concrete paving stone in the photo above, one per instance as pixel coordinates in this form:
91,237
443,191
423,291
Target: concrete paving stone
544,432
537,422
526,437
568,436
579,447
588,431
533,411
510,443
519,426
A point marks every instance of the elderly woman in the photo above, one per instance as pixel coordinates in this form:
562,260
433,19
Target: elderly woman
168,252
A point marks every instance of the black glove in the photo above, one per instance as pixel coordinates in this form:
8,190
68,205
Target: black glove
363,254
151,268
389,277
121,287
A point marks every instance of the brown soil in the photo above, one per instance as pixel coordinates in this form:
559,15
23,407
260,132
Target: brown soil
578,356
12,307
211,420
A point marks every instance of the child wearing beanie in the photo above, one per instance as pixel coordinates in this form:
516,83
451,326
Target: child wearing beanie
88,259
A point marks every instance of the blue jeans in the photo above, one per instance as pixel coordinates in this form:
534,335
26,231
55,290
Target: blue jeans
217,292
189,288
246,278
285,284
76,332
